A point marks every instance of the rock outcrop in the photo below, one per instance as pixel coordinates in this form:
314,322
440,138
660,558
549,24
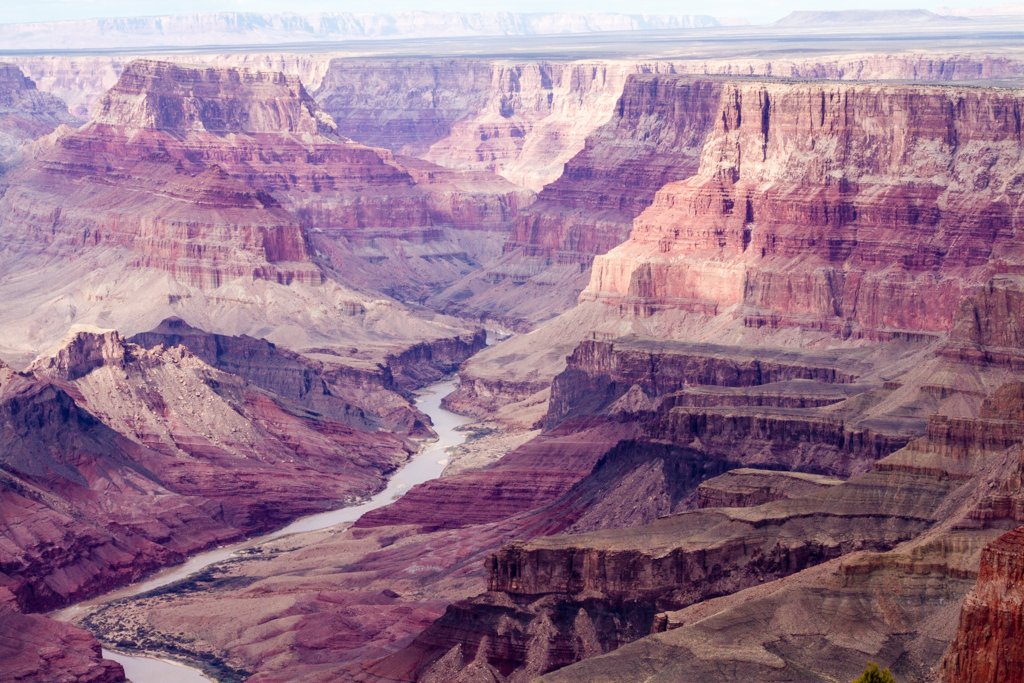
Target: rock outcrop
987,644
25,113
789,424
654,136
35,648
923,513
362,399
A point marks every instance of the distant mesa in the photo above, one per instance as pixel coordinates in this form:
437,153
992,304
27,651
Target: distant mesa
857,16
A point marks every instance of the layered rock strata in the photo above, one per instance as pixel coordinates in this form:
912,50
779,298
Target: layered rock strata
556,600
209,188
806,211
654,136
987,644
35,648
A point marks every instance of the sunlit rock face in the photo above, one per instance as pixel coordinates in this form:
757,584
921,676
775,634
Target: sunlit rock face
987,645
861,209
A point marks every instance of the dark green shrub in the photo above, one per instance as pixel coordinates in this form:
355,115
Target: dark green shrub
873,675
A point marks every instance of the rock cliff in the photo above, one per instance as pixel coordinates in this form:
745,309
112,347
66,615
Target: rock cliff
883,218
987,644
117,456
654,135
922,512
35,648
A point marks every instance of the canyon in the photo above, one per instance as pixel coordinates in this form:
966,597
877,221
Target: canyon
737,341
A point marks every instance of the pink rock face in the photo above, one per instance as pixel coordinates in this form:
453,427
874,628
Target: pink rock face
654,136
853,208
35,648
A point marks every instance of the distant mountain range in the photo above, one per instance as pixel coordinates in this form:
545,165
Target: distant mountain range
252,28
854,16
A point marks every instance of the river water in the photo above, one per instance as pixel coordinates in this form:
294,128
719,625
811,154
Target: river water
424,466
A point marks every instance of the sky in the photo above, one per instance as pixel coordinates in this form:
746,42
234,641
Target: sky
13,11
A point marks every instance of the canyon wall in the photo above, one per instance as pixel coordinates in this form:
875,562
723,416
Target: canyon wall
864,275
35,648
987,645
560,599
157,430
850,249
523,120
884,216
654,136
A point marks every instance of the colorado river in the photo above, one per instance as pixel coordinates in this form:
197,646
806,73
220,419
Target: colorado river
424,466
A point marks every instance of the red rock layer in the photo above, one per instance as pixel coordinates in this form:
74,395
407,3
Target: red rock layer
34,648
836,207
531,476
654,137
556,600
598,373
988,643
80,516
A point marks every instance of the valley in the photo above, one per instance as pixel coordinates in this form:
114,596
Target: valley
646,356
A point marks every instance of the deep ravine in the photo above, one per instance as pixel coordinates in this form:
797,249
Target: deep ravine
426,465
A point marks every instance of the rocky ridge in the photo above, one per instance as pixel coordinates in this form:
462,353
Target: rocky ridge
717,248
985,648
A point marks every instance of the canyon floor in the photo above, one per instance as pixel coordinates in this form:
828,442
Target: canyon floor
727,322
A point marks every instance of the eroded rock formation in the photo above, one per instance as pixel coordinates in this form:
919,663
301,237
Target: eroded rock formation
788,426
209,189
987,645
35,648
153,453
25,113
807,171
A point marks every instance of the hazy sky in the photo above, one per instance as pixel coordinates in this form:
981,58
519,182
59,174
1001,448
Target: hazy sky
755,10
